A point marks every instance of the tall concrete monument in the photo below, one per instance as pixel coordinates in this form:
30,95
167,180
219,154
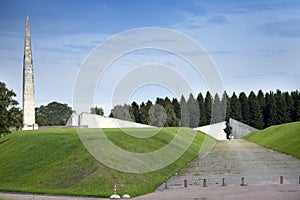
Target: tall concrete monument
28,84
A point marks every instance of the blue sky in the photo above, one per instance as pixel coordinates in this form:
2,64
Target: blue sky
254,44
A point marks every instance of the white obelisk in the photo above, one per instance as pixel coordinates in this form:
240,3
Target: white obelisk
28,84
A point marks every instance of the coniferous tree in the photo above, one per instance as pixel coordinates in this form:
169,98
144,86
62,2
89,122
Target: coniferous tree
296,98
193,111
270,110
184,121
244,107
235,108
177,110
281,108
217,112
145,117
296,107
171,119
289,106
135,112
157,115
297,110
255,116
261,100
208,106
226,105
202,115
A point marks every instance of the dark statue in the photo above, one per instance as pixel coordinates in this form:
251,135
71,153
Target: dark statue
228,130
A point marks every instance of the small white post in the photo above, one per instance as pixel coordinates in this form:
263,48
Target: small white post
115,189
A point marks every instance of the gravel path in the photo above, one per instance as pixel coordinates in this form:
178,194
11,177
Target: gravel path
235,159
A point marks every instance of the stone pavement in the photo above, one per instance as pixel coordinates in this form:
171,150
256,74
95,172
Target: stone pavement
255,192
235,159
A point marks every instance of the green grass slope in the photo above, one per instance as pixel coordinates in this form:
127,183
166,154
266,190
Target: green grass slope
56,162
284,138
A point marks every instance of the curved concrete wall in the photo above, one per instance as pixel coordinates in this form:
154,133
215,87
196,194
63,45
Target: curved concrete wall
97,121
240,129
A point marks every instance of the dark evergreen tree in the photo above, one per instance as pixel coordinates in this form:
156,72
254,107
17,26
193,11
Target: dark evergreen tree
296,111
135,112
226,105
281,108
261,100
184,121
244,107
217,113
208,106
193,111
157,115
235,108
259,111
145,117
270,110
289,106
177,110
255,116
202,115
171,119
294,97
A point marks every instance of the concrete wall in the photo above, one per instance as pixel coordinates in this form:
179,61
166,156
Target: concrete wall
73,120
214,130
240,129
97,121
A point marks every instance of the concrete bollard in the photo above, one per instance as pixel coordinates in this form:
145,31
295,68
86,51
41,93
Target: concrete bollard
204,183
281,180
223,182
166,185
185,183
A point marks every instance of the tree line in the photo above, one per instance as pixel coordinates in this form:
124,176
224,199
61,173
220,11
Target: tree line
259,110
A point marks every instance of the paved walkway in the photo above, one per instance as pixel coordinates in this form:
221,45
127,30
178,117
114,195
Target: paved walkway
235,159
266,192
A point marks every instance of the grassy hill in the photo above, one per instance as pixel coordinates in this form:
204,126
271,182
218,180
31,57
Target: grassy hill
56,162
284,138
